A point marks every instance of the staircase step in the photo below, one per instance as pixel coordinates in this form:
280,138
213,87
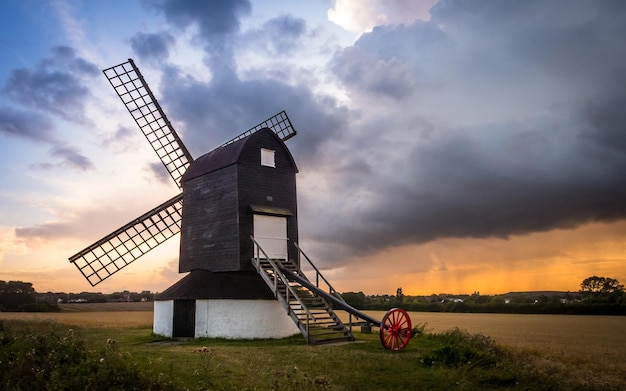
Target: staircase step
308,310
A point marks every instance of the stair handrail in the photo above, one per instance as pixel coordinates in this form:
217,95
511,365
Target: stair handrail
318,274
333,292
281,276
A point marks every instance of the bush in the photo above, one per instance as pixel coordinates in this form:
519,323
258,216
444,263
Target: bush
458,347
53,358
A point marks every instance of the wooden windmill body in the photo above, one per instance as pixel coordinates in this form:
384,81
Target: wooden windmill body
230,194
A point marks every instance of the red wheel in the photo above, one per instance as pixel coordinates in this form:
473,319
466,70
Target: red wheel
395,329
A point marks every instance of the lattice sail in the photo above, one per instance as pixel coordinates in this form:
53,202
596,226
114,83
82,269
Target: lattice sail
280,124
134,92
118,249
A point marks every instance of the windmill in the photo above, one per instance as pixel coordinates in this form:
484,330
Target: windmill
237,216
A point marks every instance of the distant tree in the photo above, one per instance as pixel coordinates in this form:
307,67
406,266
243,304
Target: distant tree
598,285
399,296
355,299
16,294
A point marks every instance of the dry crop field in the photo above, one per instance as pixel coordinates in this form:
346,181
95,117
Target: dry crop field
99,315
599,339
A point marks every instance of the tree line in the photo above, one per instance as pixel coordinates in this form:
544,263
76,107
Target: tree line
597,296
21,296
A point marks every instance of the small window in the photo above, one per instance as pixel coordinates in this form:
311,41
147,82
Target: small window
267,158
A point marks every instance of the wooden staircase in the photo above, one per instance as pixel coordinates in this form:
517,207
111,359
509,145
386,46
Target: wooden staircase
313,315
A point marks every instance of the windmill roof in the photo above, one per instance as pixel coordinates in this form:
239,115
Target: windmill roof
225,156
204,284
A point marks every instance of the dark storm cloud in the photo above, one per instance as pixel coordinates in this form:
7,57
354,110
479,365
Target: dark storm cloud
519,126
457,186
218,111
213,19
606,123
562,37
28,125
152,47
217,23
55,85
278,36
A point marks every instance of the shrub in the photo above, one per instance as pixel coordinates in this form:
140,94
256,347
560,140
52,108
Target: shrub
52,358
458,347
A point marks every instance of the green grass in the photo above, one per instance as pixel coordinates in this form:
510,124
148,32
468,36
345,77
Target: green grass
48,356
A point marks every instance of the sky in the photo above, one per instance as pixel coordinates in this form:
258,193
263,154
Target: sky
442,146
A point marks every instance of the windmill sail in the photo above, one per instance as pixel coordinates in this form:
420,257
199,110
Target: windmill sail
118,249
279,123
134,92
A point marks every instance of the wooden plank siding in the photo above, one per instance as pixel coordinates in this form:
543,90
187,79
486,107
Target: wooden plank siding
217,216
209,229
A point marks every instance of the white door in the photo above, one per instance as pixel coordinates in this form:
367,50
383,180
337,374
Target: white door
270,232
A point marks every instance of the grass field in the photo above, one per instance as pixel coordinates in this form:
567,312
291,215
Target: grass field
119,347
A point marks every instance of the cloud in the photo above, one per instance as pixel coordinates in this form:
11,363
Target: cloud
152,47
505,120
360,16
218,18
54,86
217,24
28,125
363,72
606,121
277,36
157,170
121,139
65,156
70,156
79,224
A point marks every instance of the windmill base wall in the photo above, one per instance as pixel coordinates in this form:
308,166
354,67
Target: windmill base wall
163,318
229,318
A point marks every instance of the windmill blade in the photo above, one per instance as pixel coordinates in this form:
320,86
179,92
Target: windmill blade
134,92
118,249
280,124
